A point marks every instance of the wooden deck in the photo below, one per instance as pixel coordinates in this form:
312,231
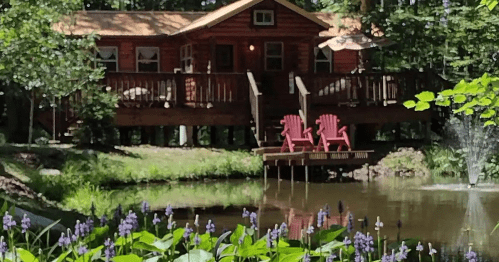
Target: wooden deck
273,157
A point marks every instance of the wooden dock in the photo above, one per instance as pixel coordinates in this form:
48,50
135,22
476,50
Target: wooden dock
273,157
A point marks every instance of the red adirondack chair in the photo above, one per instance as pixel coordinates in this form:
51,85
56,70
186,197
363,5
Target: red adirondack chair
294,135
330,134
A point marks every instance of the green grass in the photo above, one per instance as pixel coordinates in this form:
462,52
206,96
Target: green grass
133,165
159,196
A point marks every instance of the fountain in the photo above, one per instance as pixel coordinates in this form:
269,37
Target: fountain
476,142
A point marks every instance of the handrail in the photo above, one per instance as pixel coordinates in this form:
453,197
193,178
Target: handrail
256,101
305,101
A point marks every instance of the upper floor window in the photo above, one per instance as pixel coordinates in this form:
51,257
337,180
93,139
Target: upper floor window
107,56
147,59
186,58
323,60
274,56
263,17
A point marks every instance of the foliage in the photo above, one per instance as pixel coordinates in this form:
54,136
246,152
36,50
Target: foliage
97,112
445,161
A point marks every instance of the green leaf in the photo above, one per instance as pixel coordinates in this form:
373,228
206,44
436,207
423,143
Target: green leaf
443,102
469,111
238,233
409,104
488,113
153,259
26,256
147,247
426,96
459,98
197,255
62,256
484,101
147,237
447,92
421,106
295,257
488,123
127,258
45,230
163,244
329,235
177,235
216,251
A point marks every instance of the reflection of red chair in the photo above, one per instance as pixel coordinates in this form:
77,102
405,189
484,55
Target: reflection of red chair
298,220
294,135
330,134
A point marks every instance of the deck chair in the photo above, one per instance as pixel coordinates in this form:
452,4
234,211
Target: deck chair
294,135
330,134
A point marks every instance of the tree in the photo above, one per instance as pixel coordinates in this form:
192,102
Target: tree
44,63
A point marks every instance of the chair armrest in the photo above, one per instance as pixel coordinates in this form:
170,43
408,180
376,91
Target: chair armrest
285,131
307,131
321,129
318,121
343,129
283,122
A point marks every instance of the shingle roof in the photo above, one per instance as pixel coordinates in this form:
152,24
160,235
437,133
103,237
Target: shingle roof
342,25
126,23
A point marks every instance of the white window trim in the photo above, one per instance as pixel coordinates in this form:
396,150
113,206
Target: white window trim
330,60
186,58
271,12
146,60
108,60
275,56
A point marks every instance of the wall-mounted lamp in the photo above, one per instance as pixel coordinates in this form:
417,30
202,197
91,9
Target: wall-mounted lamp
251,47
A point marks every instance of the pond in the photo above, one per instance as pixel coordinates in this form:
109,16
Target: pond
446,215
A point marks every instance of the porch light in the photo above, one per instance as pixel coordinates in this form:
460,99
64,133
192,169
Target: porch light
251,47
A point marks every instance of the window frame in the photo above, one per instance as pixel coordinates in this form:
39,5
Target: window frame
263,11
137,61
107,60
185,58
274,56
330,60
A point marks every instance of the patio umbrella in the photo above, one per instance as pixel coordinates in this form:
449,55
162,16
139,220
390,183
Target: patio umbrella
355,42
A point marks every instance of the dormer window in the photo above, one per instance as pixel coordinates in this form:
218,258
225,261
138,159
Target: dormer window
263,17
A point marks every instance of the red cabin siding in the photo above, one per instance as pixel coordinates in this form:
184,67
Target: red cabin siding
345,61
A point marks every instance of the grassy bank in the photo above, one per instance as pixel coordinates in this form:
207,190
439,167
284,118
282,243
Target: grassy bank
126,165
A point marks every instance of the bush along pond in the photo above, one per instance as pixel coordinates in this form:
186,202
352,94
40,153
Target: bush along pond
148,236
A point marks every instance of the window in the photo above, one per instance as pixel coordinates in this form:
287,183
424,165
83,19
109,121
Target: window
323,60
107,56
273,56
147,59
263,17
186,58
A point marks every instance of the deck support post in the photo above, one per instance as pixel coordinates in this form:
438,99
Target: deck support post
306,174
195,131
213,135
230,135
185,135
292,179
278,173
265,171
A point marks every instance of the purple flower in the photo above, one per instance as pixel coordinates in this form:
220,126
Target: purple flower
327,210
197,240
89,225
388,258
81,229
124,229
331,258
310,230
25,223
378,225
145,207
350,223
82,250
169,210
419,247
103,220
347,241
109,251
306,258
246,213
471,256
171,223
3,247
320,218
340,207
64,241
210,227
8,222
361,245
283,230
187,232
156,220
132,219
368,244
275,232
269,238
432,252
253,220
403,251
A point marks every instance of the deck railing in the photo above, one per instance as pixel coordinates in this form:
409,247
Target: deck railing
256,101
365,88
304,99
170,89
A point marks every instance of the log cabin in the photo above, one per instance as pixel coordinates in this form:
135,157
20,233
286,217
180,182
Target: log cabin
245,64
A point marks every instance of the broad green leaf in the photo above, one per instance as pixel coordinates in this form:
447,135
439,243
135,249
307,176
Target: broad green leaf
469,111
484,101
295,257
426,96
443,102
163,244
26,256
409,104
447,92
62,256
421,106
197,255
177,235
127,258
153,259
147,237
147,247
238,233
488,123
488,113
459,98
329,235
333,245
460,87
217,251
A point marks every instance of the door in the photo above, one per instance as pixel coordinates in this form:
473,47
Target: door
225,58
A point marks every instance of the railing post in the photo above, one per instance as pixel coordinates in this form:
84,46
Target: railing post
180,89
305,101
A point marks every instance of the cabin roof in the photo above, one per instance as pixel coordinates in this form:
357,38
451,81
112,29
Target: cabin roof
340,25
126,23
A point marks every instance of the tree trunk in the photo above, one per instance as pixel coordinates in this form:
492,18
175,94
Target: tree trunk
31,113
